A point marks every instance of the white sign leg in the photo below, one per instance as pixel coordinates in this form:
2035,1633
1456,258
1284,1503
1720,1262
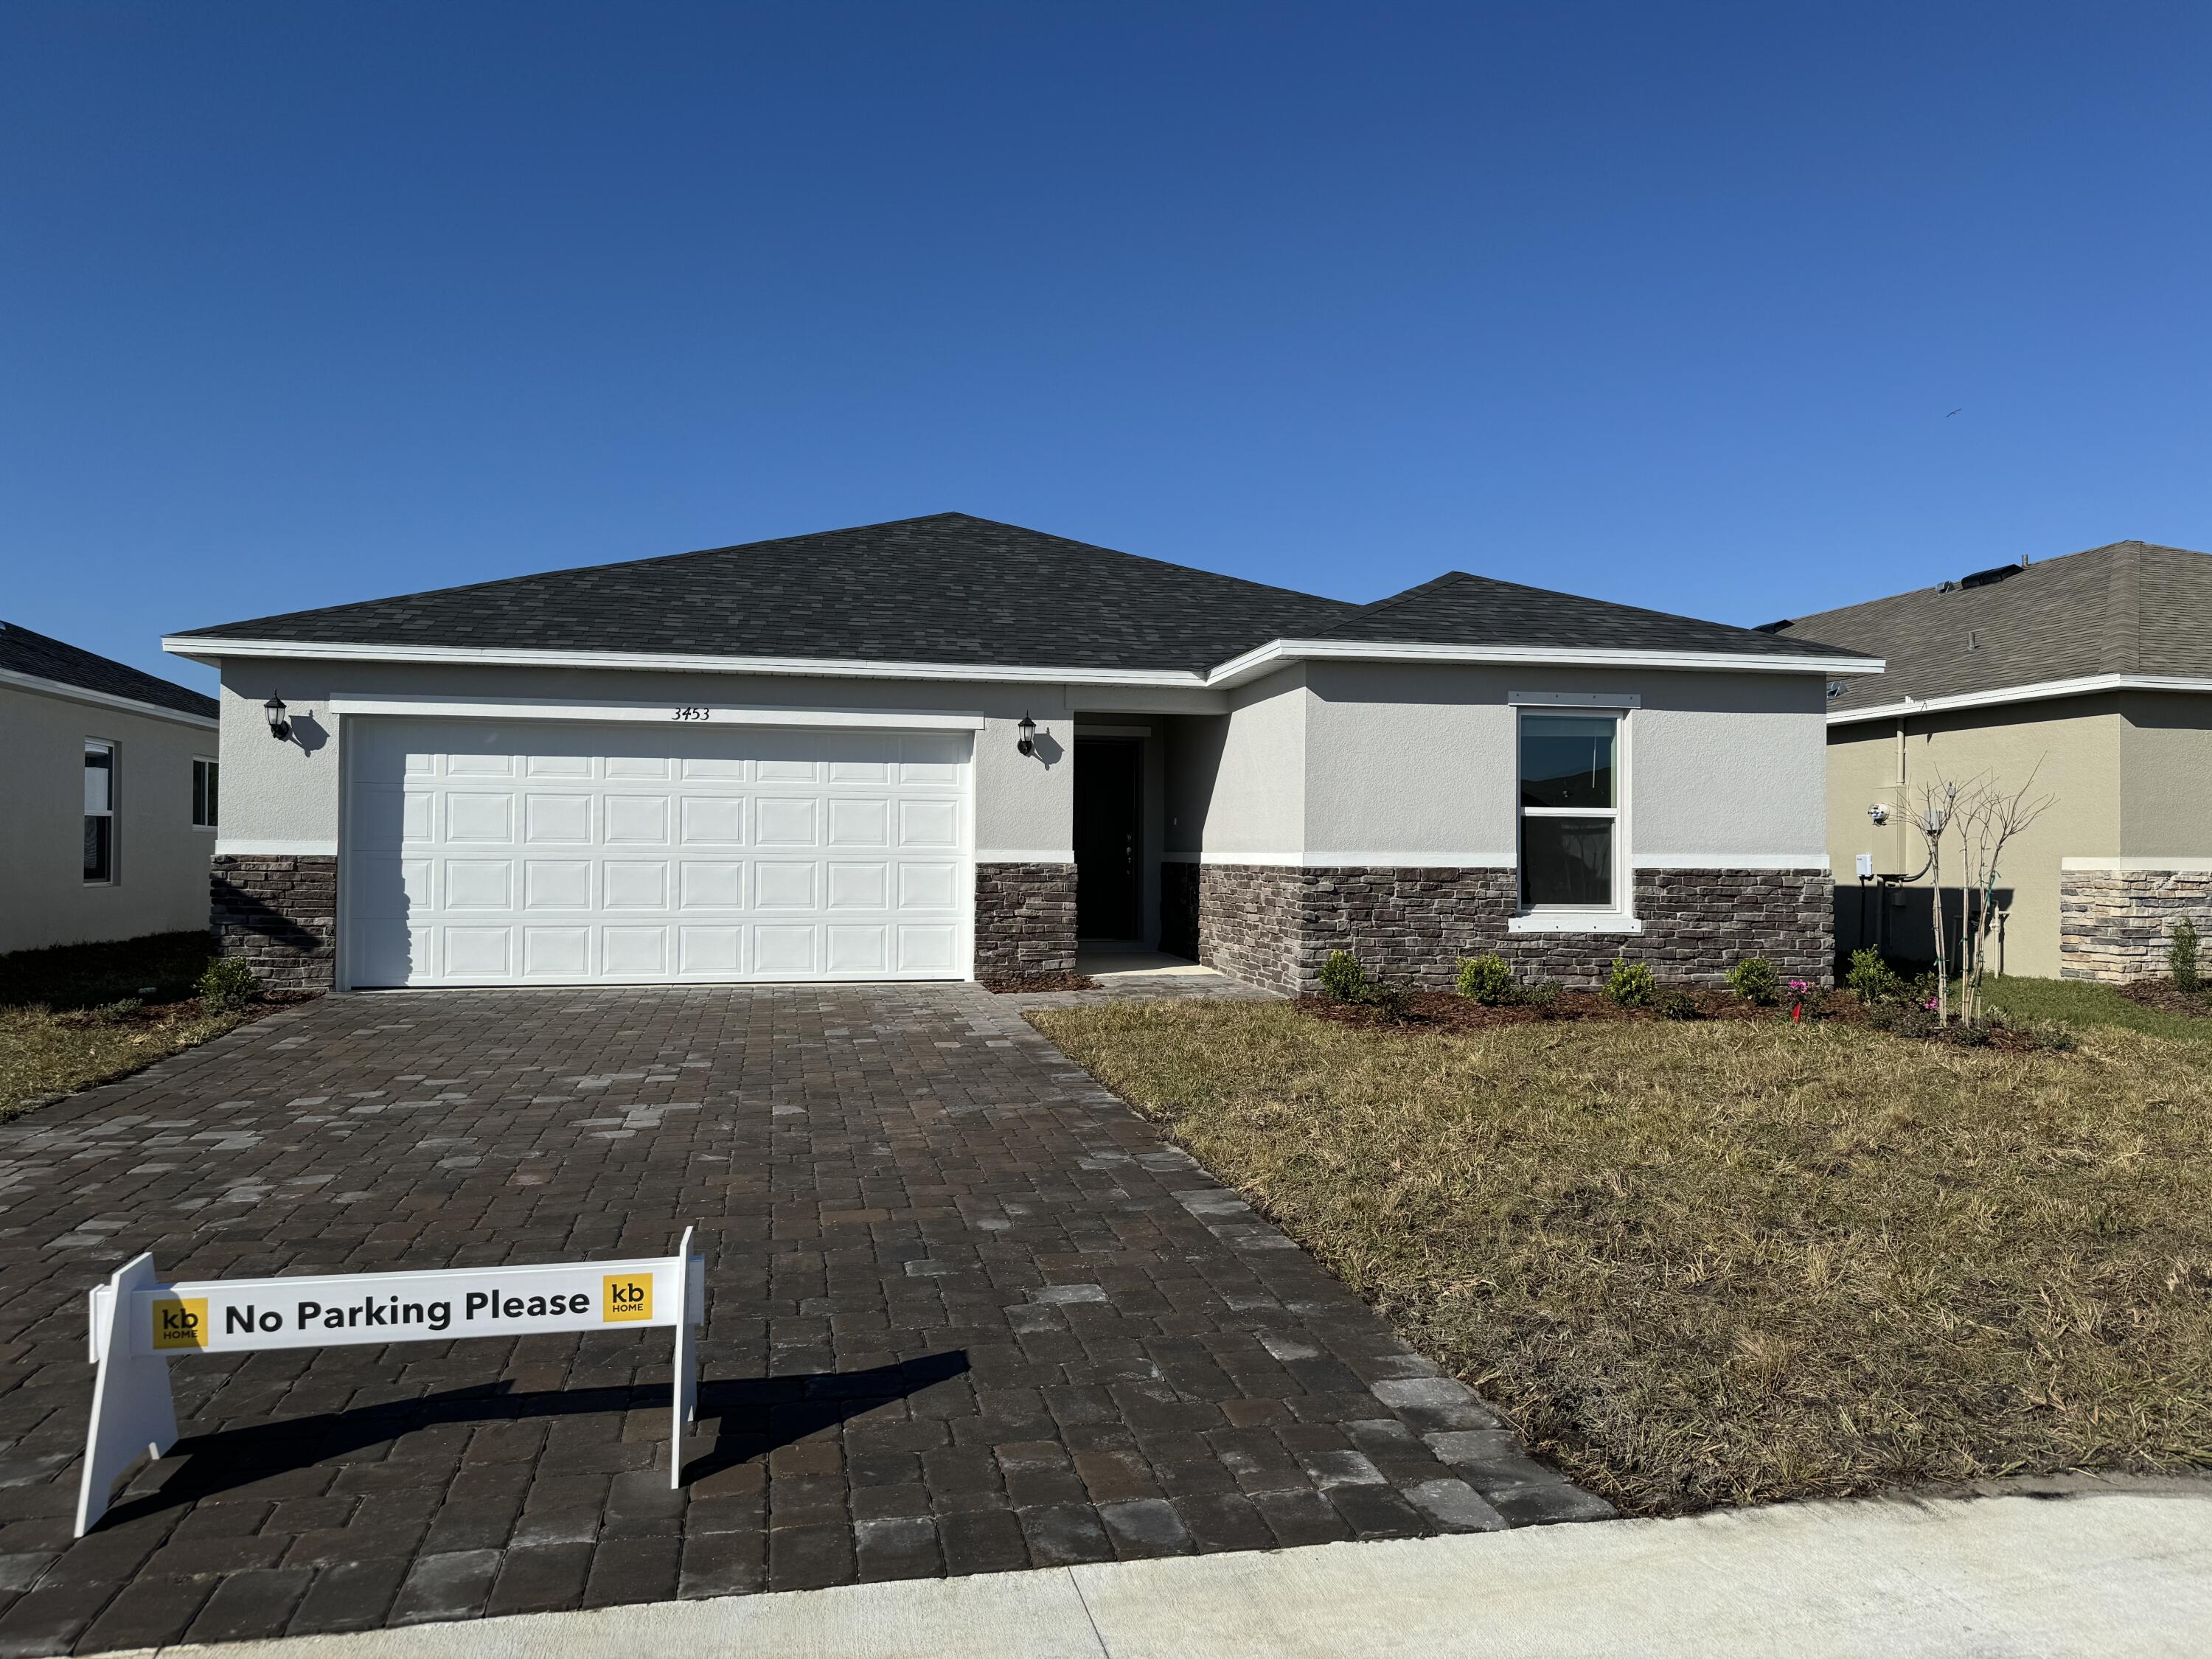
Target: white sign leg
132,1410
684,1391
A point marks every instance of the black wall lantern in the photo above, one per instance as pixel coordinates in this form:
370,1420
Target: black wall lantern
279,727
1028,729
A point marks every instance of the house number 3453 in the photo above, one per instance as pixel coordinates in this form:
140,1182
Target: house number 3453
691,714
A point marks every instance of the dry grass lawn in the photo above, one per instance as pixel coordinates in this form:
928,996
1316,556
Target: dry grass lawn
60,1029
1710,1264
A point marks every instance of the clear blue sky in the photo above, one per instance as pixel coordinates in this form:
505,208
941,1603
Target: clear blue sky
301,304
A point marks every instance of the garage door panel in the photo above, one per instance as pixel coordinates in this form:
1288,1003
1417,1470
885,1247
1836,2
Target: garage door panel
557,883
479,885
562,820
480,953
488,853
474,815
637,820
929,950
557,953
784,820
710,952
718,886
784,952
634,952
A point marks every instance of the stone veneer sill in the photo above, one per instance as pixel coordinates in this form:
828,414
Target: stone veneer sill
1574,921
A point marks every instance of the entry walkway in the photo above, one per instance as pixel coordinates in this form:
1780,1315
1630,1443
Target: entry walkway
2117,1571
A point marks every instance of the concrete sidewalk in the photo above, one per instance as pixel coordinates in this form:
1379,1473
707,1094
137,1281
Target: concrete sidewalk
2101,1568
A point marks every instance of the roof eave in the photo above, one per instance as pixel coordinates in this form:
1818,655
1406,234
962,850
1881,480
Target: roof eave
1237,671
210,649
52,688
1277,653
2038,692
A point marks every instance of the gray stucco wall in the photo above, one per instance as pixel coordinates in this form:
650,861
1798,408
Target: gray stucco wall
161,861
1384,763
284,798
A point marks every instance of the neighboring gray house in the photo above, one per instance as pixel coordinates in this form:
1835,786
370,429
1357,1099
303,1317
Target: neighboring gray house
108,794
945,748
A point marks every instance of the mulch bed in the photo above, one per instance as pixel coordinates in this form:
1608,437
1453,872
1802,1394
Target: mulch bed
1021,984
164,1013
2167,997
1446,1013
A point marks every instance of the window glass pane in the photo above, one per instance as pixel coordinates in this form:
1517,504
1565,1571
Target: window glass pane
1566,861
99,771
214,775
97,848
1566,760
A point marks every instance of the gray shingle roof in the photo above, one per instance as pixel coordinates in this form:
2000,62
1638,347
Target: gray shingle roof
1457,609
946,589
2128,608
955,589
22,651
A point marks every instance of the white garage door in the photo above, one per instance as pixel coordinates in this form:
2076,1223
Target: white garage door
537,852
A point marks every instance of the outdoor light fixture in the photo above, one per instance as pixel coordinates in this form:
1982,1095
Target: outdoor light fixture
1028,729
1878,812
279,727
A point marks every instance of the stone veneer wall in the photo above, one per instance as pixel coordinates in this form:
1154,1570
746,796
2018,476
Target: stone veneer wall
1274,926
1024,920
279,915
2114,925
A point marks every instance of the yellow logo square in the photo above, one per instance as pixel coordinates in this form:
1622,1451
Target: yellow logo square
180,1322
627,1296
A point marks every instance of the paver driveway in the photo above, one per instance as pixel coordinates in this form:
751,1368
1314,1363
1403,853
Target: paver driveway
967,1312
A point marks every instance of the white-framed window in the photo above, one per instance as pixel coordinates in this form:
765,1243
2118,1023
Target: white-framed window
1571,857
98,811
205,774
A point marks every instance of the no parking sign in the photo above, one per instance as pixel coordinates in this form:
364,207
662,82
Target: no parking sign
138,1323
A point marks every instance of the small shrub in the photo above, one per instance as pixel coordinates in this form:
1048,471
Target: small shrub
114,1014
1342,978
1390,997
1871,980
1488,981
1966,1034
1544,994
2181,956
1680,1005
1904,1019
1754,981
228,984
1631,984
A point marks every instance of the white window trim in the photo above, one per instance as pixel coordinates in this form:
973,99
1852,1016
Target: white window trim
113,814
214,761
1620,916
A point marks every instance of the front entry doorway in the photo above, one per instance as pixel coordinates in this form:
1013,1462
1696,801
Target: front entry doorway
1108,785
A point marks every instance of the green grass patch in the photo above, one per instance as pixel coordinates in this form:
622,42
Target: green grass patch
2079,1003
1729,1263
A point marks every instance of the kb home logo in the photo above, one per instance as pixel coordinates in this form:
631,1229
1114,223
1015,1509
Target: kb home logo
181,1323
628,1295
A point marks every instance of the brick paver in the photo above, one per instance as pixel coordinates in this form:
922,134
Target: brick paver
967,1312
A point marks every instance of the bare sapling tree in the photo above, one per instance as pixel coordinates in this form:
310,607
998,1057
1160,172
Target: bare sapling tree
1936,806
1989,818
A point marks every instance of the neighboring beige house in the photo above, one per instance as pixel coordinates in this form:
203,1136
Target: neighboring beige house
108,795
2092,672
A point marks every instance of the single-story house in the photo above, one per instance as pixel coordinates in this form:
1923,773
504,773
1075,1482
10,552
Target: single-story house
945,748
2090,673
110,781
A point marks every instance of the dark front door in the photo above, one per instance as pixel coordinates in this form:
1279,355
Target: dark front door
1107,823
